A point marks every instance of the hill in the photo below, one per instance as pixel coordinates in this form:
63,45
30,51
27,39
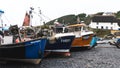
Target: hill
71,19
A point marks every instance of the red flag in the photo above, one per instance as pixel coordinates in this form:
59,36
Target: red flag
26,21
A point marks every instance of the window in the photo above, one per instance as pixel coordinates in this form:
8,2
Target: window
101,27
111,28
111,23
106,27
97,23
65,30
59,30
78,28
97,27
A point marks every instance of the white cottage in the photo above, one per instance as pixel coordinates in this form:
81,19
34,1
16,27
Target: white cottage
105,22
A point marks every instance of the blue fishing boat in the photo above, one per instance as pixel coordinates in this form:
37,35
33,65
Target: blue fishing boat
14,47
29,50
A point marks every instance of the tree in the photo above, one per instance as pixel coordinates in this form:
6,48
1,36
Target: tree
118,14
82,16
88,20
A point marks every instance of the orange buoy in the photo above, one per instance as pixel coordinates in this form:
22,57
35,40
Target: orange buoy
17,41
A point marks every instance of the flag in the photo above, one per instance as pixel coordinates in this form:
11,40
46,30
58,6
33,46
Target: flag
26,21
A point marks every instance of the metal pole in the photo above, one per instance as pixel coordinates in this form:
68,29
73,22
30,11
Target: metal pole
30,12
1,21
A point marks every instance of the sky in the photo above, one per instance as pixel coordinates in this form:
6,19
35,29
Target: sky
51,9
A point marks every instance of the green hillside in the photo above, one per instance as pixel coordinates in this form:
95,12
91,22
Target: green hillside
71,19
64,20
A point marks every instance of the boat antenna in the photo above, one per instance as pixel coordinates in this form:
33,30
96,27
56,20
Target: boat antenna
78,20
63,21
39,10
40,15
43,14
31,16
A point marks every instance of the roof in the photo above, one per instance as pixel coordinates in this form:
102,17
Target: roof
99,18
76,25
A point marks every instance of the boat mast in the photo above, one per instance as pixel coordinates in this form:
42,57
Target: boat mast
31,16
78,20
39,15
1,12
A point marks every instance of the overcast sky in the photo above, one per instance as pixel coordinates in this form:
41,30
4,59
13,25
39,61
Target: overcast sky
15,9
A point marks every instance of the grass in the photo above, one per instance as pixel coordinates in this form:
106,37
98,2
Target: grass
101,32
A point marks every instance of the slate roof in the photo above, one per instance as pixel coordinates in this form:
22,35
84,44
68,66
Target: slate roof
100,18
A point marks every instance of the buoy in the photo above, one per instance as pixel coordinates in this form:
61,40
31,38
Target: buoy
17,41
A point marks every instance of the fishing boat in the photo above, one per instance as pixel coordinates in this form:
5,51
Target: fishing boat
30,51
83,36
60,41
15,48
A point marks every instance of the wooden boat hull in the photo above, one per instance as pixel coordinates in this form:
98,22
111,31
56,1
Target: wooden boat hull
33,49
83,41
61,44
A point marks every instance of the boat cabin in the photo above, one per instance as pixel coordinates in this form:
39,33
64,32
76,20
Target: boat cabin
60,29
77,27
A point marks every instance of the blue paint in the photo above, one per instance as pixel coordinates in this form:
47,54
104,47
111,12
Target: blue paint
118,40
42,47
35,49
93,41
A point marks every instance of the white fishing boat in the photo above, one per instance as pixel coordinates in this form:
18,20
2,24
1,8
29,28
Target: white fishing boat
83,36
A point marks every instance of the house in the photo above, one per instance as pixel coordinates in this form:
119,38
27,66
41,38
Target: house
109,22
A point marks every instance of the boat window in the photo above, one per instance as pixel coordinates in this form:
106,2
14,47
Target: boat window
59,30
65,30
71,30
29,32
77,28
85,28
